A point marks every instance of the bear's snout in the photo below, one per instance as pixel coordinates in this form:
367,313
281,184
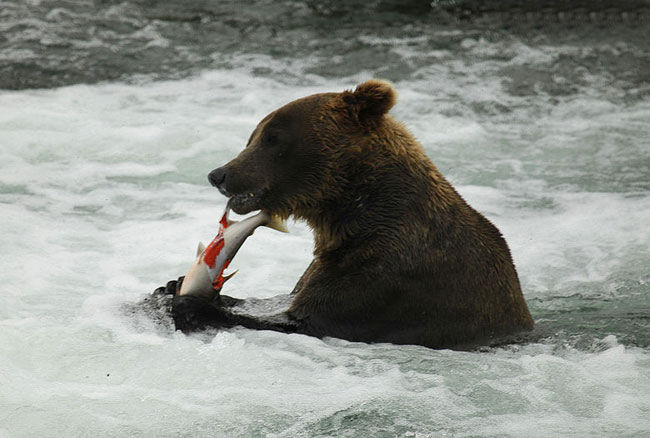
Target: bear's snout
241,199
218,179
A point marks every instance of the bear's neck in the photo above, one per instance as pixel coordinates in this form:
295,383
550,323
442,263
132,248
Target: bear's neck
379,203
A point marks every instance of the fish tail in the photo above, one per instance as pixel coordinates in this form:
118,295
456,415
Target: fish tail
277,223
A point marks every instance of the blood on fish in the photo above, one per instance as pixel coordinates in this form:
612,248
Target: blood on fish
213,250
205,266
219,281
224,220
215,247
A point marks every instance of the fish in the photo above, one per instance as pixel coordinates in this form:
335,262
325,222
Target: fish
206,276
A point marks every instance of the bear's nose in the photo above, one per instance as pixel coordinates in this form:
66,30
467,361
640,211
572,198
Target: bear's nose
218,179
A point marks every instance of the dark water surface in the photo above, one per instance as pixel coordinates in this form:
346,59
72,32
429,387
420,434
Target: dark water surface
46,44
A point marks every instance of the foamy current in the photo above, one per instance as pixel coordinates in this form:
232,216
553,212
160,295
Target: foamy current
104,196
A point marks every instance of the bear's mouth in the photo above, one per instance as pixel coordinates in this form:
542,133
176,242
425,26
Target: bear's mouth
244,203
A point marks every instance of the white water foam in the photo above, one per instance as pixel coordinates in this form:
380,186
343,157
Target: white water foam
104,197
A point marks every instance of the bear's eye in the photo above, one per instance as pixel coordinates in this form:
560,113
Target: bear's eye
273,141
271,138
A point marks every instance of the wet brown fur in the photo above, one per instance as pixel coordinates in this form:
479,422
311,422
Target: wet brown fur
399,255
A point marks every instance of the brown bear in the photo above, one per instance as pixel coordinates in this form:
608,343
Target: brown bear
399,255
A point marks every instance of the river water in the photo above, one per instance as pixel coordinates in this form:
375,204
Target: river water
112,114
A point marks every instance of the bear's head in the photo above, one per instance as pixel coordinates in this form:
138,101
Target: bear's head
296,158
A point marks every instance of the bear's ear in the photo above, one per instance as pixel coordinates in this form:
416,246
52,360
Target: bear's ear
372,99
